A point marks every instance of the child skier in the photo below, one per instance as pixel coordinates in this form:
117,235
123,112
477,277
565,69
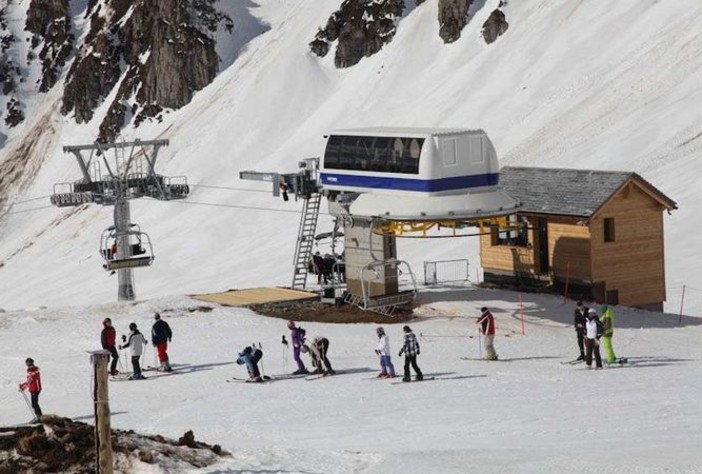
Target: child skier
487,327
33,383
411,350
383,350
250,357
160,337
297,336
594,330
318,353
136,343
107,339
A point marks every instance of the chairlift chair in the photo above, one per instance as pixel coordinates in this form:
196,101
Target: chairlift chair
141,252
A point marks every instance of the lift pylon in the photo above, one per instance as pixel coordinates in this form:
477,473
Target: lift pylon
113,174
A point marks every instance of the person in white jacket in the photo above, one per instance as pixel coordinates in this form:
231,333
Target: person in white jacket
387,370
593,332
136,343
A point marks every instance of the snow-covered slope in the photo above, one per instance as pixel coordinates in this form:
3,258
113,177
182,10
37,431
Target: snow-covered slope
526,412
587,84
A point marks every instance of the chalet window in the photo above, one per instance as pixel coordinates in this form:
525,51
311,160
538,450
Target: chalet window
609,229
517,235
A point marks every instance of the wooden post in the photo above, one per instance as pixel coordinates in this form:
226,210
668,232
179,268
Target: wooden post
521,312
103,432
682,302
565,292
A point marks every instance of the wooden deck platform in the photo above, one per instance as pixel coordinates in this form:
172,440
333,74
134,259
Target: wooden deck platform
253,296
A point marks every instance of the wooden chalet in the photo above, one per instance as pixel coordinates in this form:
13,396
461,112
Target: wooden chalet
602,231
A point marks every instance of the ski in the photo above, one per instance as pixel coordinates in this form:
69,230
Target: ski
320,376
425,379
573,362
265,378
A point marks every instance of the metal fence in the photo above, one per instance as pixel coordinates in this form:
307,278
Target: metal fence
445,271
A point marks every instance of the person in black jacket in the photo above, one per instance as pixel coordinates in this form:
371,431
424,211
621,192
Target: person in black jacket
107,339
161,335
411,350
580,318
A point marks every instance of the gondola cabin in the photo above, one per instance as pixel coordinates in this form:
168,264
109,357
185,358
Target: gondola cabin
409,161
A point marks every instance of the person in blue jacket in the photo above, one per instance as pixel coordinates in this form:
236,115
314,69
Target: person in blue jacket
250,357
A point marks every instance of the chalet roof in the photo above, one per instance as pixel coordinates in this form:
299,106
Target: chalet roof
569,192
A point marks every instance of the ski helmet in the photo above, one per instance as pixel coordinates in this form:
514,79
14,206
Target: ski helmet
157,316
406,329
592,313
29,360
132,326
291,324
380,331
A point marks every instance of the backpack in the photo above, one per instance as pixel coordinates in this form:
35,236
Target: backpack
256,355
600,328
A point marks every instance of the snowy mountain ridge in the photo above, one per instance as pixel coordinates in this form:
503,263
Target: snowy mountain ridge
573,84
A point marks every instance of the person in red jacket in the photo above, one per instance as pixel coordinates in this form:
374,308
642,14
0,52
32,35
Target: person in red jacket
33,383
108,338
487,328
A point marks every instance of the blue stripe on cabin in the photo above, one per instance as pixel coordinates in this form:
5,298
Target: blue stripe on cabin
407,184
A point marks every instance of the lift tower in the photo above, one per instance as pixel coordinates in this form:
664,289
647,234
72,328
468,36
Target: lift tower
113,174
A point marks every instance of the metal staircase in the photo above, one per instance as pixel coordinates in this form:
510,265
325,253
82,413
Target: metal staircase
305,240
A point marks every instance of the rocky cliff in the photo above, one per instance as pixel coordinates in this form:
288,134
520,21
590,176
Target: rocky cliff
362,27
148,56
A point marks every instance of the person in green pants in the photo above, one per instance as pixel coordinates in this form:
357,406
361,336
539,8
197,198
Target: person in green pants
607,319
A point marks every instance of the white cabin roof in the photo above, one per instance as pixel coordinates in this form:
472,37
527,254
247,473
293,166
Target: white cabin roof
406,132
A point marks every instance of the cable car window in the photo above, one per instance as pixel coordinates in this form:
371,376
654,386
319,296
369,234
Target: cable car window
347,157
331,154
365,153
410,155
382,153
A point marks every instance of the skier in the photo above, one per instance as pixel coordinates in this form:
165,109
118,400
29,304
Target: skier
160,337
580,318
297,336
250,357
411,350
387,370
593,332
136,343
33,383
107,338
487,327
318,353
608,323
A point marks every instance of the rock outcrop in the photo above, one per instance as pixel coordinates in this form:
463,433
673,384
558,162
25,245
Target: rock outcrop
494,26
453,16
362,28
50,25
160,54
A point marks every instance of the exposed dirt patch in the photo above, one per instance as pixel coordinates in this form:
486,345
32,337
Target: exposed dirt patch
62,445
322,313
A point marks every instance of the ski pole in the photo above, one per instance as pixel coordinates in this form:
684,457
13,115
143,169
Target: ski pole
263,372
480,345
26,400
